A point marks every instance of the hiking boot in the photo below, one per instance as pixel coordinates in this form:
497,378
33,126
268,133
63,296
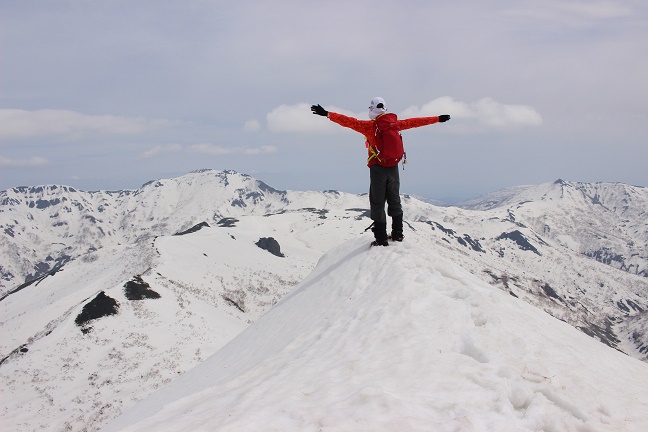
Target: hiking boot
396,237
397,228
381,243
380,233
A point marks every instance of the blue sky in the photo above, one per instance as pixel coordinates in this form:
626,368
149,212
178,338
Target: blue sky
112,94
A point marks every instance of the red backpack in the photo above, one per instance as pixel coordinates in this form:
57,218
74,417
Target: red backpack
389,142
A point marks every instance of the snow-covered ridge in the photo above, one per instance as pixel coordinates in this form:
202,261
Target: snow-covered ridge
400,338
221,276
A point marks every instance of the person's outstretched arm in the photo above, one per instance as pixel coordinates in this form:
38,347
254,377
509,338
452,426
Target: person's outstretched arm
422,121
362,126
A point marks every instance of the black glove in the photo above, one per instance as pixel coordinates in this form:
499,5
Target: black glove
444,118
317,109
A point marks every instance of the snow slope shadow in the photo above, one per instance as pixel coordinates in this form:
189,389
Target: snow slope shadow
399,338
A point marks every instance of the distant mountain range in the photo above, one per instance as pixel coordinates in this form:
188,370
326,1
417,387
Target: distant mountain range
605,221
106,296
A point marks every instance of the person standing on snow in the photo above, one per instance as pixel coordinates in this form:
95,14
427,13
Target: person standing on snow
384,180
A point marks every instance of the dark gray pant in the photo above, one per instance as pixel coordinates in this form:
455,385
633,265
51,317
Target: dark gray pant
385,187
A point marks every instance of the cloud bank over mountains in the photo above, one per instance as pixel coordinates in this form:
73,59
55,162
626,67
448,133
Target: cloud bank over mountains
481,116
18,124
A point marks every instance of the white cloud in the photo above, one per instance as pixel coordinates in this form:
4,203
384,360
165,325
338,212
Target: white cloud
595,10
208,149
34,161
252,125
479,116
157,150
298,118
260,150
474,117
215,150
22,124
573,13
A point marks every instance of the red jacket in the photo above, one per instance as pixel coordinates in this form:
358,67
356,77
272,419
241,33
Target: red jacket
367,128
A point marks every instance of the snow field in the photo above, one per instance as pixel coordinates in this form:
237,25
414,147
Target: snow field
400,339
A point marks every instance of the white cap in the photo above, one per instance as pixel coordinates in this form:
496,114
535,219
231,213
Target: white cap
377,100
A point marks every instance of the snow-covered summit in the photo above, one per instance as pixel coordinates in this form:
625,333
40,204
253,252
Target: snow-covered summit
605,221
400,338
619,198
67,223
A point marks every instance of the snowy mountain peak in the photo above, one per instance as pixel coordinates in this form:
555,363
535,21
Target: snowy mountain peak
612,196
67,223
605,221
245,188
